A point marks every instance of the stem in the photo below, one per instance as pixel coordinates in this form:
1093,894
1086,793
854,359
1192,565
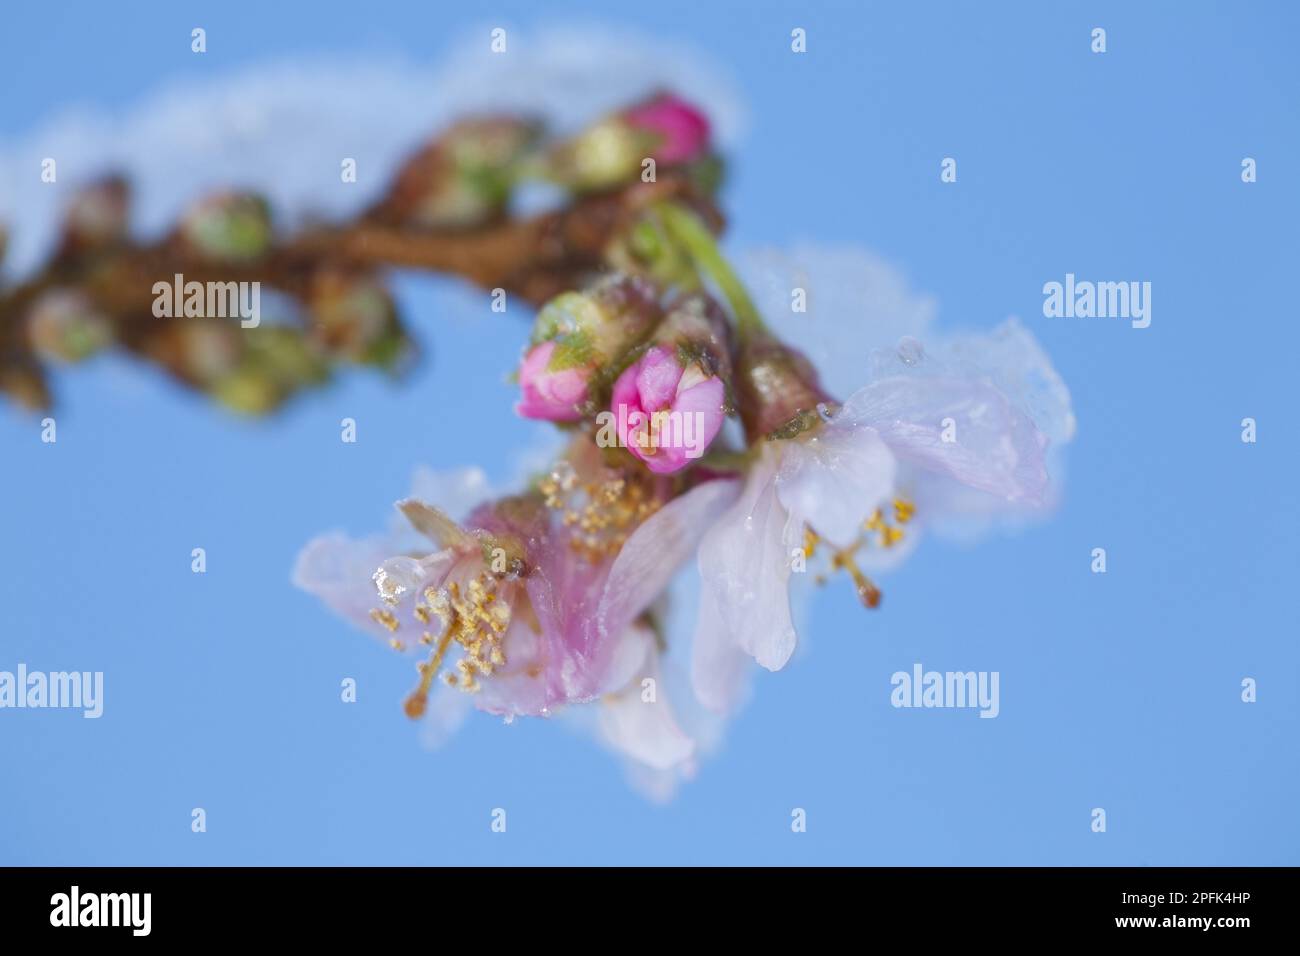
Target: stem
535,258
694,236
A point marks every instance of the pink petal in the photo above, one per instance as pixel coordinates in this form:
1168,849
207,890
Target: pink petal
546,394
564,591
707,400
657,375
336,569
646,392
683,129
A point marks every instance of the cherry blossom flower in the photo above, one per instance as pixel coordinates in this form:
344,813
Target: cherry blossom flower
543,596
930,438
545,601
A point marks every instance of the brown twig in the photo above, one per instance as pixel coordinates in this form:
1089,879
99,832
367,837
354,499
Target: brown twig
535,258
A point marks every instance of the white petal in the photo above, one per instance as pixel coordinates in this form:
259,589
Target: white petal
839,280
1010,408
745,562
994,447
656,549
1012,358
645,730
346,574
628,661
658,786
337,569
834,478
718,665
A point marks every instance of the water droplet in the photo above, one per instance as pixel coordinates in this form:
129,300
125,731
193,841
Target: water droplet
910,351
395,577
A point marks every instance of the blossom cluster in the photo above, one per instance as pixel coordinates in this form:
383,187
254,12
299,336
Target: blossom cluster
697,442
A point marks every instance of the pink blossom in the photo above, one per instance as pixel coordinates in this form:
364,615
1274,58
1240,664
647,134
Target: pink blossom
549,394
665,414
560,625
584,608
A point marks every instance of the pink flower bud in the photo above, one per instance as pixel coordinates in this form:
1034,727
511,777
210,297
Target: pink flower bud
578,341
551,394
665,414
611,151
683,130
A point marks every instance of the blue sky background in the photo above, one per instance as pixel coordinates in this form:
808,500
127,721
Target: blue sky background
1119,691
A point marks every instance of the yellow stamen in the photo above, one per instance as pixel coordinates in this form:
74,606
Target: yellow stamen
877,527
603,513
418,700
868,593
475,618
386,618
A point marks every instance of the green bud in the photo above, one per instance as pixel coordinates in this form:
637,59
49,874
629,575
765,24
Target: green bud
234,227
65,325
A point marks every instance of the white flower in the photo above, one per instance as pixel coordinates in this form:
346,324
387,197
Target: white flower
933,438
